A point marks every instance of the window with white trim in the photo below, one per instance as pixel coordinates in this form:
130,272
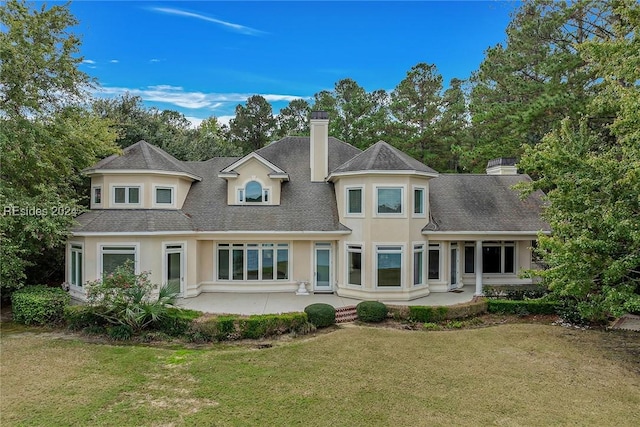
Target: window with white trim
253,261
354,264
164,196
419,201
75,265
389,266
97,195
354,201
418,264
253,192
126,195
498,257
434,261
113,257
389,200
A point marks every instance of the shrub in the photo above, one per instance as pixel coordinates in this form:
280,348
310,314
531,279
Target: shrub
126,298
468,309
176,322
515,292
39,305
371,311
520,307
253,327
426,314
79,317
321,315
120,332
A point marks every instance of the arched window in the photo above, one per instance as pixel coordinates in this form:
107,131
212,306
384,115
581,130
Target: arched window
253,193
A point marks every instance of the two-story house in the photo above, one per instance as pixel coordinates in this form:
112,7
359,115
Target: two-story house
373,224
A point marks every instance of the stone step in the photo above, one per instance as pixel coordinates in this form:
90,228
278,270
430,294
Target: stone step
346,314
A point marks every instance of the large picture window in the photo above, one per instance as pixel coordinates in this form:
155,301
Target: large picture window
253,261
498,257
434,262
389,268
354,201
389,200
115,256
354,255
75,265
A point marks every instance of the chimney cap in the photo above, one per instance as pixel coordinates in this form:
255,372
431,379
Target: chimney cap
319,115
502,161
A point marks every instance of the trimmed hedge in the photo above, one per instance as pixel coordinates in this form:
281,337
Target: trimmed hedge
224,328
176,322
39,305
522,307
416,313
321,315
371,311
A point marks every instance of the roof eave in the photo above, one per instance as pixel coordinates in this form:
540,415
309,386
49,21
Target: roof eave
91,171
334,175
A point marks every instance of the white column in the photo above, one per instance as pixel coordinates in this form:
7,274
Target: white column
478,267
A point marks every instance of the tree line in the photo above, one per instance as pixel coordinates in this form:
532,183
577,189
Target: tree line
561,93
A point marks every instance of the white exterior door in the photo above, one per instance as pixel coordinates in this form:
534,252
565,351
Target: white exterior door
322,268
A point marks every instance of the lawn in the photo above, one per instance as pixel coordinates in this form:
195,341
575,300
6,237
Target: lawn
514,374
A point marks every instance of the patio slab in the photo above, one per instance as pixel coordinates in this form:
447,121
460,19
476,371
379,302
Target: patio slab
271,303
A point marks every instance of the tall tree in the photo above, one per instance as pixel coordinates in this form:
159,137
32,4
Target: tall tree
46,138
453,130
415,104
212,140
590,168
524,88
293,119
253,125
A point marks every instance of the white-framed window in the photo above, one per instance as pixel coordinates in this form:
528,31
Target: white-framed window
75,264
418,264
389,201
113,256
499,257
434,261
253,192
419,202
354,202
354,265
164,196
96,195
469,257
126,195
389,266
253,261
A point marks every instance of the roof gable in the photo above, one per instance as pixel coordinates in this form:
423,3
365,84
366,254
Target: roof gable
143,156
382,157
274,171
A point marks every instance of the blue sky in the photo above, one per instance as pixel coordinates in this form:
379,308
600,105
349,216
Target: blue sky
203,58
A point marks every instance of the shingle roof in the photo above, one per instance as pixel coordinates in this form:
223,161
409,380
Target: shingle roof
132,220
483,203
383,157
143,155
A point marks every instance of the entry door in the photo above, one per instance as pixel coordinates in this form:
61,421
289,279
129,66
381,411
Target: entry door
454,267
174,268
322,281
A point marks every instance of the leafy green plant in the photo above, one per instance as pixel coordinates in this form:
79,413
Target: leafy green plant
120,332
321,315
80,317
225,328
126,298
522,307
431,326
39,305
424,314
371,311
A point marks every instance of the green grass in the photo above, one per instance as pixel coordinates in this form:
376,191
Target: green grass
518,374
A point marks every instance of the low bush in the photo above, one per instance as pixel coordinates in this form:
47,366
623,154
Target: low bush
321,315
371,311
81,317
176,322
468,309
522,307
225,328
120,332
39,305
515,292
427,314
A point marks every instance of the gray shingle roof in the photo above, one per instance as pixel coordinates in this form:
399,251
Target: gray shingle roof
143,155
383,157
483,203
132,220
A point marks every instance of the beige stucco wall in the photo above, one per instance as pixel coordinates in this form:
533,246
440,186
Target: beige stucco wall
147,184
253,170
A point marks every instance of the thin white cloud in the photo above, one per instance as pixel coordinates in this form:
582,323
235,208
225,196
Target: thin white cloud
114,61
229,25
88,61
154,60
176,95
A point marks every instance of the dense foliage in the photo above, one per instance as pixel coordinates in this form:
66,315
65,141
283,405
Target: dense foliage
39,305
371,311
321,315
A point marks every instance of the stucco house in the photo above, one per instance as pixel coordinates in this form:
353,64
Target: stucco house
304,213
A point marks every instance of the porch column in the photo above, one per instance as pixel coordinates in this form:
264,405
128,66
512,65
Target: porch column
478,268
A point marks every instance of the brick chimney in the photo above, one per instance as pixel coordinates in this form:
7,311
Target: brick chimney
319,148
502,166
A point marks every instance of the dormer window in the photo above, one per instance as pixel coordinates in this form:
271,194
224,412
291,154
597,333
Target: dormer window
253,192
126,195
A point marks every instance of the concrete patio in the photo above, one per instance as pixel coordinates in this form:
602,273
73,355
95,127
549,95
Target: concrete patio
269,303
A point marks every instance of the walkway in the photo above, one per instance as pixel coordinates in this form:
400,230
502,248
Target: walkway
268,303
